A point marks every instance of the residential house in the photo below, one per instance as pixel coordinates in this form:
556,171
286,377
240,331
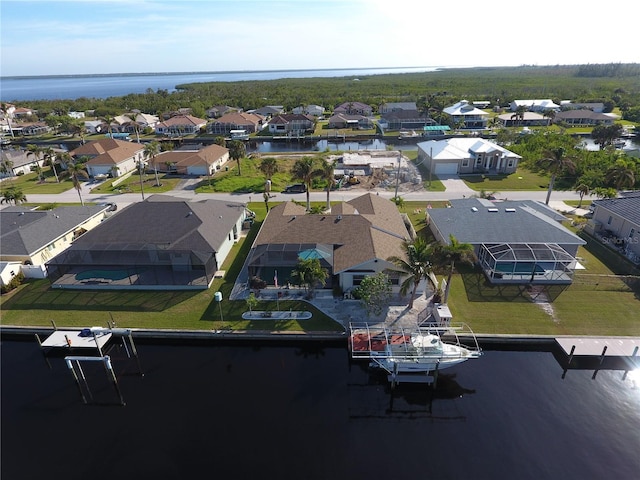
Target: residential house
95,126
162,243
616,223
23,112
517,242
466,155
313,110
110,156
390,107
466,115
405,120
354,108
597,107
218,111
33,237
191,162
584,117
269,111
538,105
249,122
355,122
76,115
19,162
179,125
291,123
30,129
125,124
354,240
528,119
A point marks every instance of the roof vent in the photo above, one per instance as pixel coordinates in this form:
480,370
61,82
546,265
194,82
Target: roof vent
339,217
474,209
492,210
510,210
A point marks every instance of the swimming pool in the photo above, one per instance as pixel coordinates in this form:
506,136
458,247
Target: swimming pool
106,274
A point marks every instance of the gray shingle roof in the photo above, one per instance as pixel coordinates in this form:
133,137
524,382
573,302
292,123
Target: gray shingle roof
627,207
511,222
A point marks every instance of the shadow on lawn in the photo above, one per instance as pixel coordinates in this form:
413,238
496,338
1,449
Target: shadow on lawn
479,289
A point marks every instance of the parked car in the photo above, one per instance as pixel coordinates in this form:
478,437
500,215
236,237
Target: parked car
296,188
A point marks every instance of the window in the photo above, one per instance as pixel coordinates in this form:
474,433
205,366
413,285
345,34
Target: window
465,162
631,233
357,279
610,219
479,161
510,163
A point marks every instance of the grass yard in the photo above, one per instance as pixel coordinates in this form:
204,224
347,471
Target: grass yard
520,180
132,185
30,184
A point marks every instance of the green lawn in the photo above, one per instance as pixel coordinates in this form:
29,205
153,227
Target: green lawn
520,180
132,185
30,184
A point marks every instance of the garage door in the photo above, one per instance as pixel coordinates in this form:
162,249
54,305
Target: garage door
446,169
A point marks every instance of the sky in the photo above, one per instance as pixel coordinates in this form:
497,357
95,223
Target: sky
145,36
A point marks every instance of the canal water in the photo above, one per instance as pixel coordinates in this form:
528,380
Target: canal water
305,411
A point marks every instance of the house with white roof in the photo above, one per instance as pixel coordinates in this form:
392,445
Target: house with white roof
538,105
313,110
467,115
455,156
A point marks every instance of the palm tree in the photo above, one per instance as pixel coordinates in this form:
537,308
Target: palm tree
550,114
582,189
77,171
416,263
449,255
7,116
108,119
309,273
621,175
326,173
13,194
303,170
237,151
555,162
518,116
152,149
132,117
38,153
269,167
50,157
6,168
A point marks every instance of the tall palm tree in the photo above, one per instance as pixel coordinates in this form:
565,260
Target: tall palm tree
303,170
7,116
136,128
416,263
50,158
621,175
582,189
77,171
13,194
555,162
454,252
6,168
237,151
326,173
152,149
38,153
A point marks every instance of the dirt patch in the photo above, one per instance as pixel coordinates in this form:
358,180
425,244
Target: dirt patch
540,298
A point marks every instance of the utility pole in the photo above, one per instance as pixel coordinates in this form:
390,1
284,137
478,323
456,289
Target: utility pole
398,174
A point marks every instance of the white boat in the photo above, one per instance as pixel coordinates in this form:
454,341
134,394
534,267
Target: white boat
419,350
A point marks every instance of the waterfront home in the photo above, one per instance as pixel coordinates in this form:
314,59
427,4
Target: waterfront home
354,122
352,241
33,237
124,123
390,107
180,125
204,161
466,115
518,242
466,155
268,111
162,243
616,222
534,105
404,120
219,110
354,108
95,126
249,122
584,117
291,123
597,107
109,156
526,119
313,110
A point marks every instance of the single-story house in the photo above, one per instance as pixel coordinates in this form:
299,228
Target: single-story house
466,155
18,162
95,126
268,111
163,243
597,107
33,237
8,270
313,110
584,117
520,242
110,156
294,123
191,162
219,110
355,122
537,105
616,222
396,107
354,240
249,122
180,125
404,119
354,108
467,115
528,119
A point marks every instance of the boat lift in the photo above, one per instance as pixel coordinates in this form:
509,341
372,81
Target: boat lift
378,343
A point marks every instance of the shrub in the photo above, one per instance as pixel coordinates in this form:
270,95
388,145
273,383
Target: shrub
15,282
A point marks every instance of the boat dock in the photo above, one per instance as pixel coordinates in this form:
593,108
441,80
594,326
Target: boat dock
621,347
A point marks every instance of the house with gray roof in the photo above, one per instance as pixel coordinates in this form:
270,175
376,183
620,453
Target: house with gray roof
518,242
163,243
584,117
354,240
33,237
405,119
616,222
396,107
